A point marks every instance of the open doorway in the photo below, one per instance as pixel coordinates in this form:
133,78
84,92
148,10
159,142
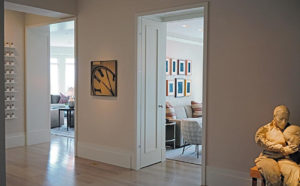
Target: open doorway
29,47
50,81
184,90
172,41
62,79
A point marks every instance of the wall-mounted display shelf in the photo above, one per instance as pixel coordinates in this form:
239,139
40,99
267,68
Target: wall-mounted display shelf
10,80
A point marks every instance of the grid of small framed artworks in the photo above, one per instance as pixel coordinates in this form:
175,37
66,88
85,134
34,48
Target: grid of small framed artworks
178,81
10,80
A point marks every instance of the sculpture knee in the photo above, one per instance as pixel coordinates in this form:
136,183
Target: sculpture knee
290,171
270,170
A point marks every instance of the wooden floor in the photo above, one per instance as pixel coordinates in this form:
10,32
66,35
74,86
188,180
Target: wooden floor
54,165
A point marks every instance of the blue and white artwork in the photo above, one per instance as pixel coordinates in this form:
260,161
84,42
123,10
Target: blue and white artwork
170,88
179,87
167,66
188,70
174,67
187,91
181,67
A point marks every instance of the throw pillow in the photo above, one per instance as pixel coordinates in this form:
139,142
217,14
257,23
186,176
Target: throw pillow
170,111
55,99
63,98
197,109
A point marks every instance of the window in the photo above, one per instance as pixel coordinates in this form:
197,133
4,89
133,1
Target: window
54,76
69,74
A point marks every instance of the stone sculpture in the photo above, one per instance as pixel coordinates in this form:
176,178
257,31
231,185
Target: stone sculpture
280,141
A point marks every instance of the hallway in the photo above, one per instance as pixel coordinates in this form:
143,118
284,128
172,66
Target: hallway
54,165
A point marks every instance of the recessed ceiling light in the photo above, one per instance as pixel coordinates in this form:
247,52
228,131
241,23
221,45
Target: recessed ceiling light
184,26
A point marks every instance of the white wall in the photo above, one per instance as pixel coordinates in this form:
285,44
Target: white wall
14,32
185,50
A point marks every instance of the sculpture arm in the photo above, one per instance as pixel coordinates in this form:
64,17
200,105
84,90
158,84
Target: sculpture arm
261,140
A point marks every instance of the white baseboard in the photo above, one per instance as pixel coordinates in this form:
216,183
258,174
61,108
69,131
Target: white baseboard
105,154
15,140
38,136
219,176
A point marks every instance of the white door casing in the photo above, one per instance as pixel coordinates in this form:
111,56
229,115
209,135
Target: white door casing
153,54
37,85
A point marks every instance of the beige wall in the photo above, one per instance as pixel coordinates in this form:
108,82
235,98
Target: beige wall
253,65
14,25
31,19
14,31
64,6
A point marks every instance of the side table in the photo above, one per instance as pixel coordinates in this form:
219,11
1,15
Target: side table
69,115
171,133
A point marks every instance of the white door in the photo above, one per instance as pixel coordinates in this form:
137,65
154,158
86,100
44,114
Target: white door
37,84
153,55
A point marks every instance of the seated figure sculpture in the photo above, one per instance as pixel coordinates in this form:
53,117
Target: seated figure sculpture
280,141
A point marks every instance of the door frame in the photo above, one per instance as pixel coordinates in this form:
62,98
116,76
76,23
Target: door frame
76,73
139,73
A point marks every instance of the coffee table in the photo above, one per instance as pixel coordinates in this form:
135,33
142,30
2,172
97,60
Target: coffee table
69,115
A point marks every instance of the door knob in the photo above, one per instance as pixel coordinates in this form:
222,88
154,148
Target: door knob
160,106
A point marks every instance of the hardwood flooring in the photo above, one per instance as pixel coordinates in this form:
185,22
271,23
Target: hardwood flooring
53,164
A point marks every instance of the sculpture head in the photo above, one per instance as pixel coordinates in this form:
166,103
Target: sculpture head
281,116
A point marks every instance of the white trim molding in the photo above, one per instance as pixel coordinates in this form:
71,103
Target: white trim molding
104,154
220,176
15,140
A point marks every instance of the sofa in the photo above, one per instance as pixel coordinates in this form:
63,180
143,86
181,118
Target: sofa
55,105
183,112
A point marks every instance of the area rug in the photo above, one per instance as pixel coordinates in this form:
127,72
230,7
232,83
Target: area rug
189,156
62,131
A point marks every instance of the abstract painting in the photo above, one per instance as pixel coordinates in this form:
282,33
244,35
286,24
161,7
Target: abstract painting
181,67
174,67
170,88
179,87
168,66
187,91
188,67
104,78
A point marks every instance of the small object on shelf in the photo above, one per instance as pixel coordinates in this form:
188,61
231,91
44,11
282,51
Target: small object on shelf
7,54
7,45
12,54
12,45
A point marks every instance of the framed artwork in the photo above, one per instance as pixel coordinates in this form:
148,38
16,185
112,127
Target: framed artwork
188,67
104,78
173,66
170,88
188,85
168,70
181,67
179,87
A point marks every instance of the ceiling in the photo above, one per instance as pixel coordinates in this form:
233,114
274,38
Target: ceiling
190,29
62,34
